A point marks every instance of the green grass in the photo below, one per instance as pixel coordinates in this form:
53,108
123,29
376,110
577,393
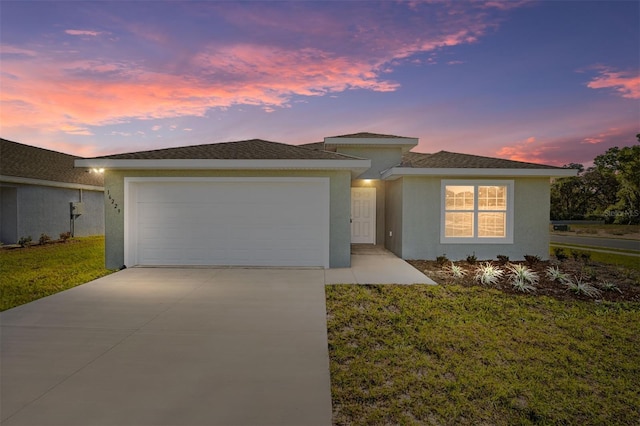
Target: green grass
31,273
617,258
606,230
458,355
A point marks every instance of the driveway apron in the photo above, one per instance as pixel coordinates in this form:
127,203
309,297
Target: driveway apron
162,346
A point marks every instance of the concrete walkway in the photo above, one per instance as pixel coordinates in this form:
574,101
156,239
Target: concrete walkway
375,265
154,346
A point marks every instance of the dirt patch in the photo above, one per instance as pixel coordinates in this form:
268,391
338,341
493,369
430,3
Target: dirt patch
623,283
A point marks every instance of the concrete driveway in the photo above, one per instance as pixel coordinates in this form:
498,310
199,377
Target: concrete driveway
155,346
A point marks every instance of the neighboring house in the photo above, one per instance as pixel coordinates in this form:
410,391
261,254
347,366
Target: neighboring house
38,189
263,203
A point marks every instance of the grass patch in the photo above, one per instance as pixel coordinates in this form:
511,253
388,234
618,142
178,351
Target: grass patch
606,231
471,355
30,273
621,259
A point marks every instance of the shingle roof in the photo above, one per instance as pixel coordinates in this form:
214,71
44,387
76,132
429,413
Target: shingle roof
25,161
362,135
254,149
444,159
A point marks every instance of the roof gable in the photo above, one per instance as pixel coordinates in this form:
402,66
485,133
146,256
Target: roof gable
254,149
367,135
25,161
445,160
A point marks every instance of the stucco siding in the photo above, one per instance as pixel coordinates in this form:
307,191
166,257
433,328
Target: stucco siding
393,217
46,210
381,158
340,196
8,215
422,221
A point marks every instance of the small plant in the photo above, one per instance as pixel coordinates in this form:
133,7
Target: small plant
532,259
502,259
555,274
472,259
25,241
580,287
455,270
44,239
64,236
487,274
441,260
560,254
522,273
589,273
609,286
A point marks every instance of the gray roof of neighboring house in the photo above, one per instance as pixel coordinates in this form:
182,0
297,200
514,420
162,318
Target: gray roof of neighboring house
444,159
25,161
254,149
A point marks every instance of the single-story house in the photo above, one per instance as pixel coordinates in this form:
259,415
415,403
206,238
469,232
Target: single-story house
41,192
263,203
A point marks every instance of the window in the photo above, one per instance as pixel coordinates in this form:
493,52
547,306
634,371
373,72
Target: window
477,211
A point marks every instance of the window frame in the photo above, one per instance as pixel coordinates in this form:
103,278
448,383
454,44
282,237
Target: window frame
475,183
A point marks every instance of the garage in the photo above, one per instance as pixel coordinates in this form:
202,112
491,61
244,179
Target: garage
227,221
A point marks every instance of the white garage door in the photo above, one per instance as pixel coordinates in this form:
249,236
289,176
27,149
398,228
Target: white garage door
228,221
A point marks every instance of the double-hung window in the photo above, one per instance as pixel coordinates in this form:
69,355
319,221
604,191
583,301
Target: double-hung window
477,211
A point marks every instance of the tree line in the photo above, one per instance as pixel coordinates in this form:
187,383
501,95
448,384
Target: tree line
609,190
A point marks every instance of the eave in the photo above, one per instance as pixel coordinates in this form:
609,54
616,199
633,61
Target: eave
397,172
356,167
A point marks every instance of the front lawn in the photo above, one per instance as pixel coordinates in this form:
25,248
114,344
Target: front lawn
29,273
472,355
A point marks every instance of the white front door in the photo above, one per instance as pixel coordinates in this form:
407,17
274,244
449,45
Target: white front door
363,215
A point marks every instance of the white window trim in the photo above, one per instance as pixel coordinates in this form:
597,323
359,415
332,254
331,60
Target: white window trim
508,239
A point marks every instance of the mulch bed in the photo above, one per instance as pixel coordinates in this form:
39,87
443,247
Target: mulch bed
595,273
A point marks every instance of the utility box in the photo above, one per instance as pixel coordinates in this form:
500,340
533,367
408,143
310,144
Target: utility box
77,208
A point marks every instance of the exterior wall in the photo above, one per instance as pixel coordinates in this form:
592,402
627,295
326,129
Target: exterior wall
340,209
382,158
8,215
393,217
380,204
44,209
421,222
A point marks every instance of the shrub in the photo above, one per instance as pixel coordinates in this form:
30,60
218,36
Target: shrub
522,278
532,259
579,287
487,274
455,270
502,259
555,274
441,260
44,239
472,259
25,241
560,254
64,236
581,255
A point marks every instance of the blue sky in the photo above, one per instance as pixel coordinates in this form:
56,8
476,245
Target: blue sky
552,82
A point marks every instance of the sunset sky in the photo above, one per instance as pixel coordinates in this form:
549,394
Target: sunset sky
552,81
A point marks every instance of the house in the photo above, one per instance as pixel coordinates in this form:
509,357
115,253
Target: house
42,193
263,203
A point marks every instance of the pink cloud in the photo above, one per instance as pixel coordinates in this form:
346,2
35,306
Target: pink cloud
627,84
579,148
83,33
326,55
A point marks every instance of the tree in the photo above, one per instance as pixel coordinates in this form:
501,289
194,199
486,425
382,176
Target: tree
624,165
610,189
